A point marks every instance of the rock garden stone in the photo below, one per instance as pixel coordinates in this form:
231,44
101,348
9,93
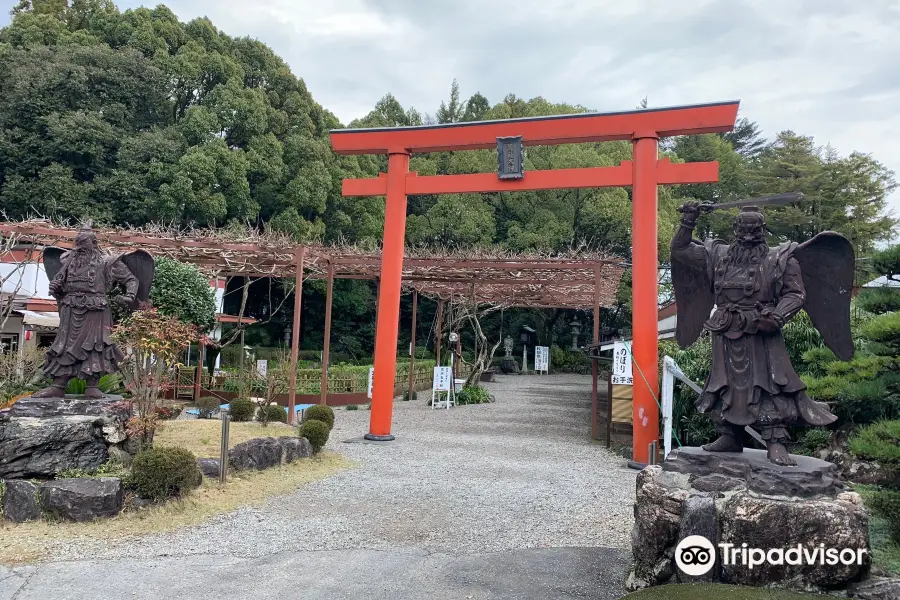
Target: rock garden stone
20,501
82,499
258,454
294,448
41,437
742,498
210,467
877,588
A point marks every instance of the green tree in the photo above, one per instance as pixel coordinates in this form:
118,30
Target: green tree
181,290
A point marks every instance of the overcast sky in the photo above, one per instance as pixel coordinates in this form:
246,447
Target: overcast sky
826,68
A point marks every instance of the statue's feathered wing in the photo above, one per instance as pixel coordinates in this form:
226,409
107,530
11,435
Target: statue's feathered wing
827,263
52,261
693,296
142,266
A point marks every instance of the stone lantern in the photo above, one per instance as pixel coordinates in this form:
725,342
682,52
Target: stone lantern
576,331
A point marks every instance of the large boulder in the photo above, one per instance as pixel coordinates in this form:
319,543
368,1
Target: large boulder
823,524
265,453
83,498
258,454
727,501
20,501
39,437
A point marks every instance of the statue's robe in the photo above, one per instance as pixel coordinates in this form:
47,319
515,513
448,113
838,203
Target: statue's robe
752,381
83,347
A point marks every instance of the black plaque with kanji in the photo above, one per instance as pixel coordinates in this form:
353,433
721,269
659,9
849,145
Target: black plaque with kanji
510,157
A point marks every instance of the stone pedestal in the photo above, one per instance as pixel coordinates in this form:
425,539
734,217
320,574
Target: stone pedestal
39,437
509,365
733,499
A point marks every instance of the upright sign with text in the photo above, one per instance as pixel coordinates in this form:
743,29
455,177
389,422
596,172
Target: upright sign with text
621,372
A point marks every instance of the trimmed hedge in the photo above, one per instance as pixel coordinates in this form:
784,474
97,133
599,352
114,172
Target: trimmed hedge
160,473
242,410
316,432
321,412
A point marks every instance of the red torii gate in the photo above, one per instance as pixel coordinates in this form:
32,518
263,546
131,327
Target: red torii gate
644,172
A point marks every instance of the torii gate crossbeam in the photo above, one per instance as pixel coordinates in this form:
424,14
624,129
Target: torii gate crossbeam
644,173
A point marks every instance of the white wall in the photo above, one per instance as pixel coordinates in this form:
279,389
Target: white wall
25,280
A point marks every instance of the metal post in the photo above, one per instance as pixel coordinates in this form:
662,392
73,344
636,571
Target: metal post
595,366
438,332
295,332
326,352
651,452
223,450
412,346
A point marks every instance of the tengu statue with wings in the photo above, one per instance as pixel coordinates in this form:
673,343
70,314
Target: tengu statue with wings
743,293
81,280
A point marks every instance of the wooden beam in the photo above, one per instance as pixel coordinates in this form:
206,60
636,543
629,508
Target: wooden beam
549,130
554,179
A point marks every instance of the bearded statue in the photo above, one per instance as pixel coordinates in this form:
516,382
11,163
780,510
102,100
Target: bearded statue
743,293
81,280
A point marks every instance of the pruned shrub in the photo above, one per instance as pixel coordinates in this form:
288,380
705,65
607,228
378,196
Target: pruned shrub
415,395
473,394
879,442
272,413
886,504
242,409
320,412
160,473
352,407
316,432
207,405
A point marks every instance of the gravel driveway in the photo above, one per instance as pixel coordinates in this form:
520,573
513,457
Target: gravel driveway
517,474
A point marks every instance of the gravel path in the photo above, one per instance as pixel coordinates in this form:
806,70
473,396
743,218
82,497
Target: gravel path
519,473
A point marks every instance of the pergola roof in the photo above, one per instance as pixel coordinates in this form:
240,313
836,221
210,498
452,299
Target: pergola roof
577,280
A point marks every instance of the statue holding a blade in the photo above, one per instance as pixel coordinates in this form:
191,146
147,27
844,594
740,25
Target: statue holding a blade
743,293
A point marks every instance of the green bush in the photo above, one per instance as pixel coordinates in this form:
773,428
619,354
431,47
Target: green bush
160,473
568,361
813,440
207,406
320,412
352,407
886,503
272,413
316,432
879,442
415,395
473,394
242,410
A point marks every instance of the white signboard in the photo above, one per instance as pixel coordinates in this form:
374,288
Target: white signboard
542,359
621,373
443,379
371,375
262,367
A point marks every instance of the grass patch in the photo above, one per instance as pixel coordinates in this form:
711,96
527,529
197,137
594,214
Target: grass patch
885,551
201,436
715,591
32,542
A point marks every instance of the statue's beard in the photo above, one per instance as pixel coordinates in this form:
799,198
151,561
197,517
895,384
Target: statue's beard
741,255
83,257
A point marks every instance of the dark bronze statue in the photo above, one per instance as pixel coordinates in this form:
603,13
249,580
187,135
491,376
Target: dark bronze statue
754,290
81,280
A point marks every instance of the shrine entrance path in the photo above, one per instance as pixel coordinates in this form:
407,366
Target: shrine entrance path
505,500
